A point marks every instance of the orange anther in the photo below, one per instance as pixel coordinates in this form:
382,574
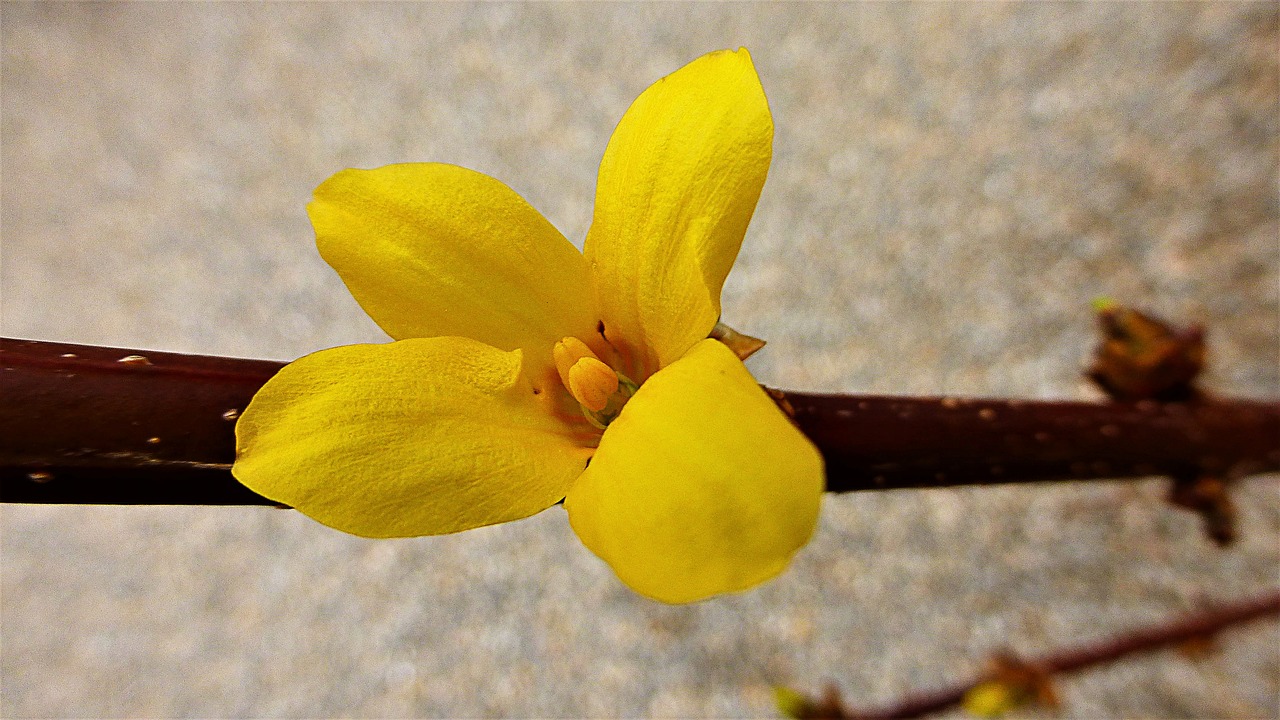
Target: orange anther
591,383
566,353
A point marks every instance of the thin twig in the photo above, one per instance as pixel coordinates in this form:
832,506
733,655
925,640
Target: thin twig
1198,626
84,424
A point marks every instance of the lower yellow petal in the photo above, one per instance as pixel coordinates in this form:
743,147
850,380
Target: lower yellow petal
418,437
701,486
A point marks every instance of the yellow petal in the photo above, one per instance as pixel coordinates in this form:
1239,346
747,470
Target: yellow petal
429,249
701,486
677,187
417,437
992,699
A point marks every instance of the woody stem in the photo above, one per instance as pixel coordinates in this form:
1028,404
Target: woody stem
876,442
85,424
1197,626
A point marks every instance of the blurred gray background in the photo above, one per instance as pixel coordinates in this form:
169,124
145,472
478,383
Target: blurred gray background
951,186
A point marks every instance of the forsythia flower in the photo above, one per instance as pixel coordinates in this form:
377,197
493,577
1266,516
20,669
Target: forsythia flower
525,373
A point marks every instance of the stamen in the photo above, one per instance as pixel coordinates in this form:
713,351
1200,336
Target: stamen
567,353
599,389
591,383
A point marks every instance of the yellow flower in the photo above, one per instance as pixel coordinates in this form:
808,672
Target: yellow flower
525,373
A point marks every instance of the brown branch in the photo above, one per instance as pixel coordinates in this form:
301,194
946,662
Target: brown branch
82,424
1192,628
898,442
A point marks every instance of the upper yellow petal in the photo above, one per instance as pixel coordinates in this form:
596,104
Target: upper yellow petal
677,187
701,486
429,249
418,437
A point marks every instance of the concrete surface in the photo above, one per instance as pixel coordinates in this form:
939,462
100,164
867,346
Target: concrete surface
951,185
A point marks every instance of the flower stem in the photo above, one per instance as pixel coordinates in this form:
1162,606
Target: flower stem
86,424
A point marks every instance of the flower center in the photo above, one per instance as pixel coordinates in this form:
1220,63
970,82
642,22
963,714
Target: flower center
598,388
